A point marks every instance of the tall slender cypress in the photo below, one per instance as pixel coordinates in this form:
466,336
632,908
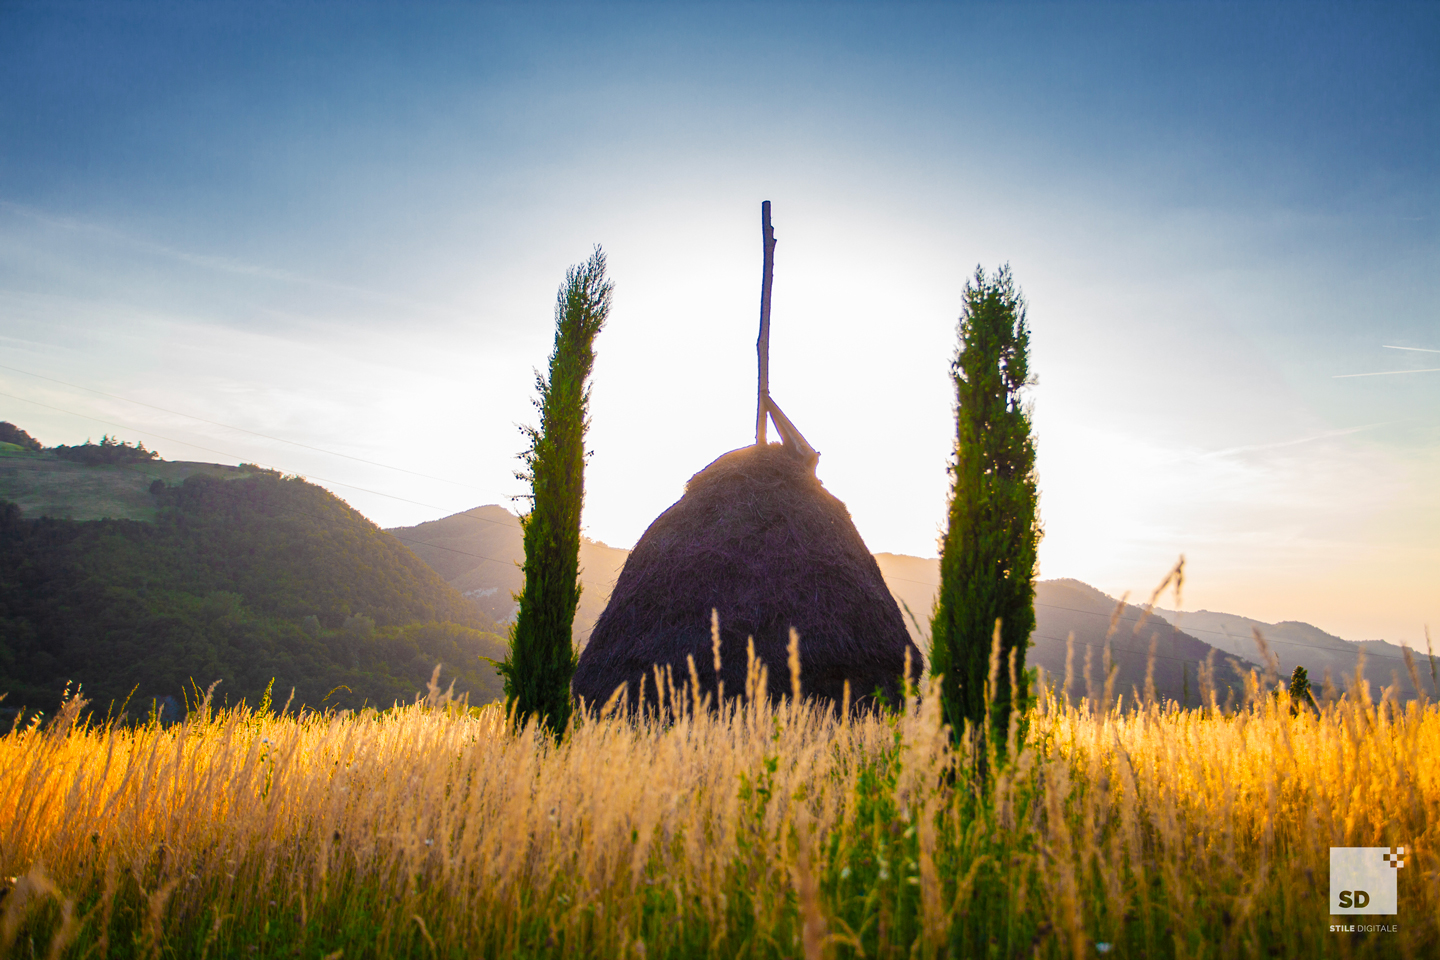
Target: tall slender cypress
987,566
542,656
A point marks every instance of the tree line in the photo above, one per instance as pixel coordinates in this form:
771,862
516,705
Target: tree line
109,451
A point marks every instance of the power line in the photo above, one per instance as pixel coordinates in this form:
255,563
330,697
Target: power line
1191,631
231,426
1220,633
424,543
468,515
1082,643
112,423
302,513
511,562
224,453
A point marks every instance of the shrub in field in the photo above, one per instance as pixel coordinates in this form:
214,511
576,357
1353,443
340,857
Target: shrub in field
1300,695
435,830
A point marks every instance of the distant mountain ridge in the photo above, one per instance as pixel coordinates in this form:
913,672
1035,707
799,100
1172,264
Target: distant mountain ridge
1066,609
108,552
480,556
1293,643
479,553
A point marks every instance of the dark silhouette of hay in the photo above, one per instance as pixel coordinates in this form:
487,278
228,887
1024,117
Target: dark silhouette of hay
757,538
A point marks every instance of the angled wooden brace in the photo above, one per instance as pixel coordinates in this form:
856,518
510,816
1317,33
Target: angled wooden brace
795,443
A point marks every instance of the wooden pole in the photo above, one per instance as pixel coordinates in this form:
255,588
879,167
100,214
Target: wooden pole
762,345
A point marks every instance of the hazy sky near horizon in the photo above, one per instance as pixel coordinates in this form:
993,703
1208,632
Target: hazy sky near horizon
341,226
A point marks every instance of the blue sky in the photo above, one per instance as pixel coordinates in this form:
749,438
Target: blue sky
343,226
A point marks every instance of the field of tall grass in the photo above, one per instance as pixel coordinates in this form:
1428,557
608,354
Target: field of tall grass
432,830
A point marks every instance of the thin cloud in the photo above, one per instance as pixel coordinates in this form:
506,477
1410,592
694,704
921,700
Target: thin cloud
1386,373
1256,447
1392,373
219,263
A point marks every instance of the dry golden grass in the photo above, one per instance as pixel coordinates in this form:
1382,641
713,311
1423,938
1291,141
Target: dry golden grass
431,830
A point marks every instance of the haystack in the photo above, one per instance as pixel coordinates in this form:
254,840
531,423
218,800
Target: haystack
758,539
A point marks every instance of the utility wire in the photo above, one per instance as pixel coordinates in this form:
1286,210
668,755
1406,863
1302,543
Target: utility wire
1222,633
1082,643
225,453
1191,631
316,516
468,515
231,426
426,543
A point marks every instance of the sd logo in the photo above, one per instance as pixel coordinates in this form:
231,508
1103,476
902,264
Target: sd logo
1363,879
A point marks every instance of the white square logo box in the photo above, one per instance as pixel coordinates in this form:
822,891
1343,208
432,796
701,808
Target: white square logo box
1364,880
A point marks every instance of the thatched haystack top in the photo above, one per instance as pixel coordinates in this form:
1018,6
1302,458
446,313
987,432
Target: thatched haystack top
759,539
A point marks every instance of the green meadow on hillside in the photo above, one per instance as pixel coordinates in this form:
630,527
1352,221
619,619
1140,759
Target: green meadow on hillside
44,485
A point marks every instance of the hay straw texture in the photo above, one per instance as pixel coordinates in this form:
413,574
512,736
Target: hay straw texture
759,541
436,831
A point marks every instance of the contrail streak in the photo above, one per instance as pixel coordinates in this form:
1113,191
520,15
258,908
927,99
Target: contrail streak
220,263
1386,373
1255,447
1388,346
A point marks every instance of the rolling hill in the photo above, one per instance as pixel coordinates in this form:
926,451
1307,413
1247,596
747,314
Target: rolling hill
478,552
1066,608
1320,653
44,485
229,574
143,576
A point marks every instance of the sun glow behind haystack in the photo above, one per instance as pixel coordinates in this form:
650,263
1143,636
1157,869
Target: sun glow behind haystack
859,357
863,333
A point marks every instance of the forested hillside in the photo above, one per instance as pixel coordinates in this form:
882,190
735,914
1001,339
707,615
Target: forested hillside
239,580
479,551
240,575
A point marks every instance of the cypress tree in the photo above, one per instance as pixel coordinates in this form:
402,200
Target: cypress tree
542,656
987,564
